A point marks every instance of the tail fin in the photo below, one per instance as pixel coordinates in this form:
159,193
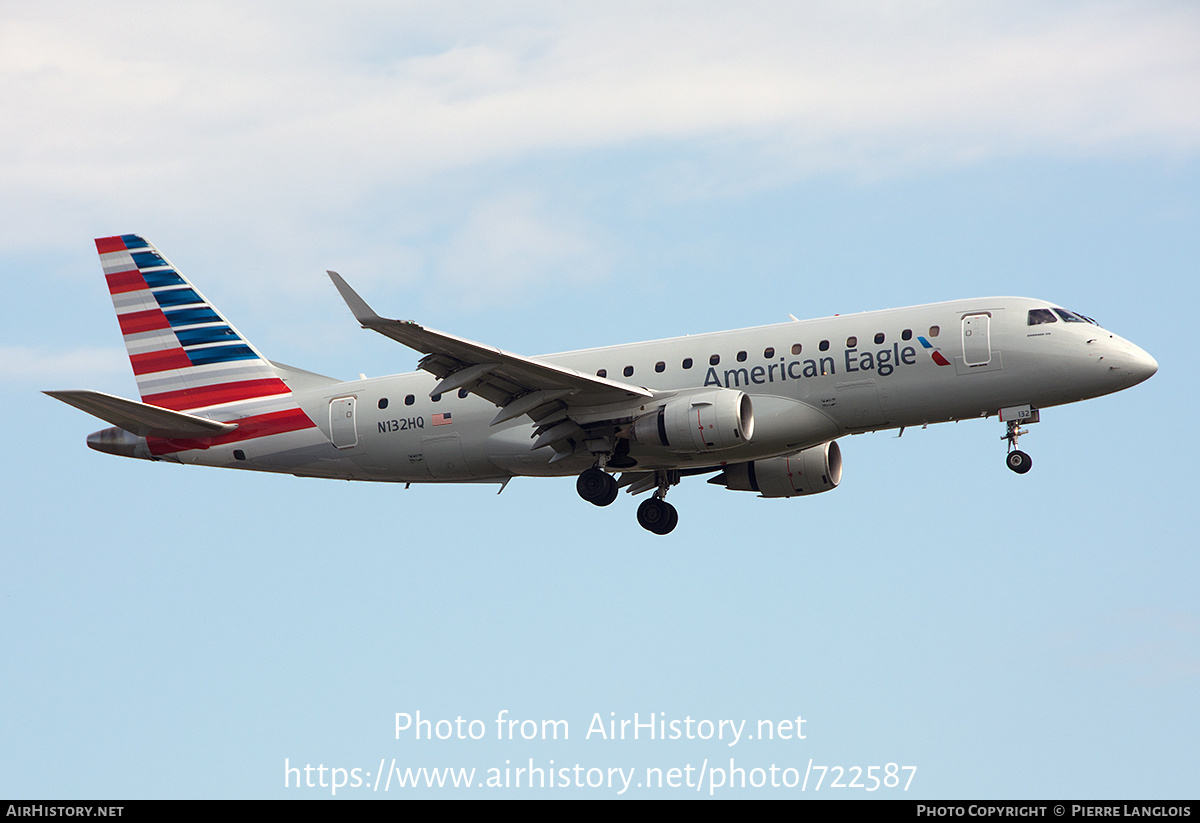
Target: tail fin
185,354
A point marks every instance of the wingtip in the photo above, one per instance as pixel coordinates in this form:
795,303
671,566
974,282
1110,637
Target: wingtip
363,313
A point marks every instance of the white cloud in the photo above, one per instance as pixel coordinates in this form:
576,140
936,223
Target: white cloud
222,116
515,245
53,369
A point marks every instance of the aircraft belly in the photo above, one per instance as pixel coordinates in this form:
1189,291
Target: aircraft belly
443,455
508,449
947,395
306,452
856,404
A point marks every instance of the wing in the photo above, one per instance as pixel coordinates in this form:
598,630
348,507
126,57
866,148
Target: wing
556,398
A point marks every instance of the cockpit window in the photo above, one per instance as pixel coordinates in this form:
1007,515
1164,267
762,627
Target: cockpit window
1072,317
1039,316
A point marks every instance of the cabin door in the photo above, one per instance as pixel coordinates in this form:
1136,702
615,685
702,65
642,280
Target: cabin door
341,423
976,337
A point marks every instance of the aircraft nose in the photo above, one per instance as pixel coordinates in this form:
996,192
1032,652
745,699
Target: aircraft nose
1146,367
1139,365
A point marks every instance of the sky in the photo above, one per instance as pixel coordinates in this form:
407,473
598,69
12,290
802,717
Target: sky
554,176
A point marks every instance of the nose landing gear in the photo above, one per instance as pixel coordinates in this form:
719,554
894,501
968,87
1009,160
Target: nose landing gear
1019,461
1016,460
1013,417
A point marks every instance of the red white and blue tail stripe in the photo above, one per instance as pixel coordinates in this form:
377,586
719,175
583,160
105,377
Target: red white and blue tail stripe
185,355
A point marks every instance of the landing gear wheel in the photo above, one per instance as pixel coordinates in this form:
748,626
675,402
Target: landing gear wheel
674,521
657,516
597,487
1019,461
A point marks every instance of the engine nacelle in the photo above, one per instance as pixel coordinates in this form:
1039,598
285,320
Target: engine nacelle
698,422
812,471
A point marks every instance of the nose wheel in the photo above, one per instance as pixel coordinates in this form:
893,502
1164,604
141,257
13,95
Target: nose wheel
1019,461
1016,459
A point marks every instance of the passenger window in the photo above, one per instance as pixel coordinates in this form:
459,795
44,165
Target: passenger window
628,372
1039,316
797,348
906,334
824,345
851,342
879,338
660,367
409,400
934,331
436,398
602,372
741,357
714,360
769,352
383,402
687,362
462,394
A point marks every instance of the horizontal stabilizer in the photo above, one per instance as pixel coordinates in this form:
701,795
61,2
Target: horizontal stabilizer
141,419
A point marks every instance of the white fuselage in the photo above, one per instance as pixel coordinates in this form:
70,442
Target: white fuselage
809,381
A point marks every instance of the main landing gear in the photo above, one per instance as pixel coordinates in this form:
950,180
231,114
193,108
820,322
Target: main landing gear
599,488
657,515
1016,460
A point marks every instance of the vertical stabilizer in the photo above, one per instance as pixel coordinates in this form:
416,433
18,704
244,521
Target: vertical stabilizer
185,354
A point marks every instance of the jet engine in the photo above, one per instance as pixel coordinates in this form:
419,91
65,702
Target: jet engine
701,421
811,471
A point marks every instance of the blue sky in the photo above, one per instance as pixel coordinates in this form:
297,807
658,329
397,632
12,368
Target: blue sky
550,176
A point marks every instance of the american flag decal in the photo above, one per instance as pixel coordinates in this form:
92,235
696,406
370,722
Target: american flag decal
442,419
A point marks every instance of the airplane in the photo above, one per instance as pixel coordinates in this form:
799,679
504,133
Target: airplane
759,409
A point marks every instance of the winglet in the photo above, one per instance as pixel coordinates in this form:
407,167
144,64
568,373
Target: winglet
363,313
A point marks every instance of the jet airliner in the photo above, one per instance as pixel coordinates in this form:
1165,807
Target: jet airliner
758,409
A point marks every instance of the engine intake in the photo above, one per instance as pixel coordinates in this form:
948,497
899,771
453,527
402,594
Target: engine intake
811,471
699,422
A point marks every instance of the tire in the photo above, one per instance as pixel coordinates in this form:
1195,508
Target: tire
673,520
596,487
657,516
612,493
1019,461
